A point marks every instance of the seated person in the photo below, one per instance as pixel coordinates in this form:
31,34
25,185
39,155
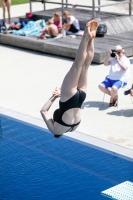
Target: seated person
56,20
130,91
13,26
71,23
18,25
30,29
54,26
118,75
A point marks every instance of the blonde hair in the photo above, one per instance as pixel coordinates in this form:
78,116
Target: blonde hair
66,13
57,14
50,21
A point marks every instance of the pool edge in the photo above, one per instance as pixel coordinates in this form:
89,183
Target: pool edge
123,151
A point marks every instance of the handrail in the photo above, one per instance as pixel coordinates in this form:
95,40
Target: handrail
67,4
93,7
112,4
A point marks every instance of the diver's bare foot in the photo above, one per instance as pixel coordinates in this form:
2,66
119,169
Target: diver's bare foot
91,28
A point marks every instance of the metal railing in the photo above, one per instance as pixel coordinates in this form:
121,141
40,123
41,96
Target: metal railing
65,4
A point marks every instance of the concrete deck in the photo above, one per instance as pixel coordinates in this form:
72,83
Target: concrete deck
27,79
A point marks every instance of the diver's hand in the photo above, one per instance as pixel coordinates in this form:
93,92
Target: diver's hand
56,92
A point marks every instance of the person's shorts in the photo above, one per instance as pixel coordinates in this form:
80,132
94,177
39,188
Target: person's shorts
109,83
73,29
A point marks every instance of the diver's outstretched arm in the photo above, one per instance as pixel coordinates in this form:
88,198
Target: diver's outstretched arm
48,104
44,111
45,115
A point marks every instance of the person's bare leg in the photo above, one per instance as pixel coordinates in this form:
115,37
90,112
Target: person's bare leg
47,31
4,10
53,30
8,4
70,83
66,27
104,89
114,92
82,84
131,91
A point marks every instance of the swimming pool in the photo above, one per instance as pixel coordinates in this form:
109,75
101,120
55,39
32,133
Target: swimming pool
35,165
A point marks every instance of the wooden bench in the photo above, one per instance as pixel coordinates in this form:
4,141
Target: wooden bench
119,32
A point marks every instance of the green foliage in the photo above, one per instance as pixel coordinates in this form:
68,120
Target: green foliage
15,2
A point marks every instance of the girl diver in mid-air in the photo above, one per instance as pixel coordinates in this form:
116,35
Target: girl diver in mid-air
74,87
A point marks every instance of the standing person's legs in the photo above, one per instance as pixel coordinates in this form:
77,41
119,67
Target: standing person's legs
4,9
71,80
8,4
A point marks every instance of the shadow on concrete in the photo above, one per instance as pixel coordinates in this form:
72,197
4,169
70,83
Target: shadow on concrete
131,61
124,113
95,104
37,52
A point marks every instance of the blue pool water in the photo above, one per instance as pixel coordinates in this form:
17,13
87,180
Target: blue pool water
36,166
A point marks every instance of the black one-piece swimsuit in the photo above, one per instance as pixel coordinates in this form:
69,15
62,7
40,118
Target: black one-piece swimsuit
74,102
